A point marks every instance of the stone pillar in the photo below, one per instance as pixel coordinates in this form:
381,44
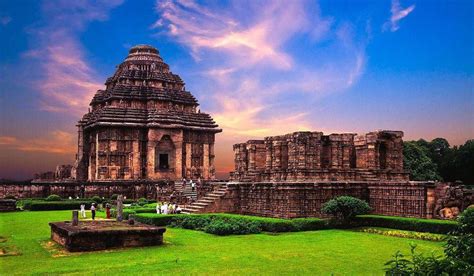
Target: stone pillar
75,218
178,143
251,155
268,153
120,208
188,160
212,170
205,165
136,162
97,146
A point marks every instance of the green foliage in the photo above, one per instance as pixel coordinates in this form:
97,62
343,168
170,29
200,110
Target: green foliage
40,205
459,251
436,160
53,198
142,201
128,211
97,199
410,224
114,197
460,245
233,224
417,161
345,207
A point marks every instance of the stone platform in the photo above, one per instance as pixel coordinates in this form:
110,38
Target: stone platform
100,235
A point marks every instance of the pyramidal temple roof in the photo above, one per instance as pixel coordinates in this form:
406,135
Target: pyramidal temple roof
144,92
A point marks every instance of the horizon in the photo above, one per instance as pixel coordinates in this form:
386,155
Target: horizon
258,71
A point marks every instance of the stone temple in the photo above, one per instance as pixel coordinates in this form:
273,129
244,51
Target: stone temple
145,125
144,133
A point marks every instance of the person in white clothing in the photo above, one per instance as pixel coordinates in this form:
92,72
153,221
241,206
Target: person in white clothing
83,210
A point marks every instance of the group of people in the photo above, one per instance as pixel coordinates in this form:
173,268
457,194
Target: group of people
83,210
167,208
192,183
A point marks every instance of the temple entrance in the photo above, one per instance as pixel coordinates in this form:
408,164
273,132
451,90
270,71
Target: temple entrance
165,154
164,161
382,156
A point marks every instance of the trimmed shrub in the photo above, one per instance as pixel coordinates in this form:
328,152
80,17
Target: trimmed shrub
114,197
232,227
97,199
142,201
155,219
36,205
411,224
345,207
53,198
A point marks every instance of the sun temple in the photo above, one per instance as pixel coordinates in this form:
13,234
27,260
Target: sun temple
145,132
145,125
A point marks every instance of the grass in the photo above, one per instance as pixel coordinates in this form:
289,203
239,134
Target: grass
194,252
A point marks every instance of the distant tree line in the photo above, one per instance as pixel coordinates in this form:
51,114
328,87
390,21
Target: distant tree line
436,160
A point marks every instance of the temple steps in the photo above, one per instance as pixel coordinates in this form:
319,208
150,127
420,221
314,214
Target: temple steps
206,202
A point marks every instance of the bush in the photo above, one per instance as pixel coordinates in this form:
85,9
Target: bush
36,205
232,226
155,219
459,251
227,224
114,197
142,201
404,234
345,207
97,199
53,198
411,224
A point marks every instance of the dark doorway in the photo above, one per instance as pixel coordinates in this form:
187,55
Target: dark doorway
382,156
164,161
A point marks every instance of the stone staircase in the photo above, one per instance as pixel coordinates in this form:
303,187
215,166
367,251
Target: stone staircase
368,176
186,189
205,203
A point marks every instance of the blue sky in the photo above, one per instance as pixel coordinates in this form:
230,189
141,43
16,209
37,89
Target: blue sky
259,67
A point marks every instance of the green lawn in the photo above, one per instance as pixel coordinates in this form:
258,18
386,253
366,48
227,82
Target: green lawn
194,252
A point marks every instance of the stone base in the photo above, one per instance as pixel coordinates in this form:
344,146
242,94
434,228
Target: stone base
7,205
100,235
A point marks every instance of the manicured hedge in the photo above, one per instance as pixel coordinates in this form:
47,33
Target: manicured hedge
127,211
37,205
412,224
227,224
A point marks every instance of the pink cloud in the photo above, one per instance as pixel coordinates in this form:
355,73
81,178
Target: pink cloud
57,141
67,81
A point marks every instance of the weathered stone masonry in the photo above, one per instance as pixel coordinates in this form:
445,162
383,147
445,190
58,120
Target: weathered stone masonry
303,156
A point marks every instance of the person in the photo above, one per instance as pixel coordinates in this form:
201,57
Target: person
83,210
164,208
178,209
170,209
107,210
158,207
93,211
193,186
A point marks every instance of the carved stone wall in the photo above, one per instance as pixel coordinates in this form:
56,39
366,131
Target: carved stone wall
303,156
305,199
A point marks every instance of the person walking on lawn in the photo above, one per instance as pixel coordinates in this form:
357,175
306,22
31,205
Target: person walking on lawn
93,211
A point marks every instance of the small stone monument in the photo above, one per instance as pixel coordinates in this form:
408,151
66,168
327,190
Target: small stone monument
131,219
120,208
75,218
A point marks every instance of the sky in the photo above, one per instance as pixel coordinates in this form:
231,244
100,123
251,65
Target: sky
260,68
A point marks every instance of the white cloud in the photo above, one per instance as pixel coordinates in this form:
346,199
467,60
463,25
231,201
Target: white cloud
397,14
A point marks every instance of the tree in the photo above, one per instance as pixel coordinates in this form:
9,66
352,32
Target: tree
416,160
345,207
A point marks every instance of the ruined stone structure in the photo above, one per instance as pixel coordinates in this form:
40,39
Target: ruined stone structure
303,156
144,125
